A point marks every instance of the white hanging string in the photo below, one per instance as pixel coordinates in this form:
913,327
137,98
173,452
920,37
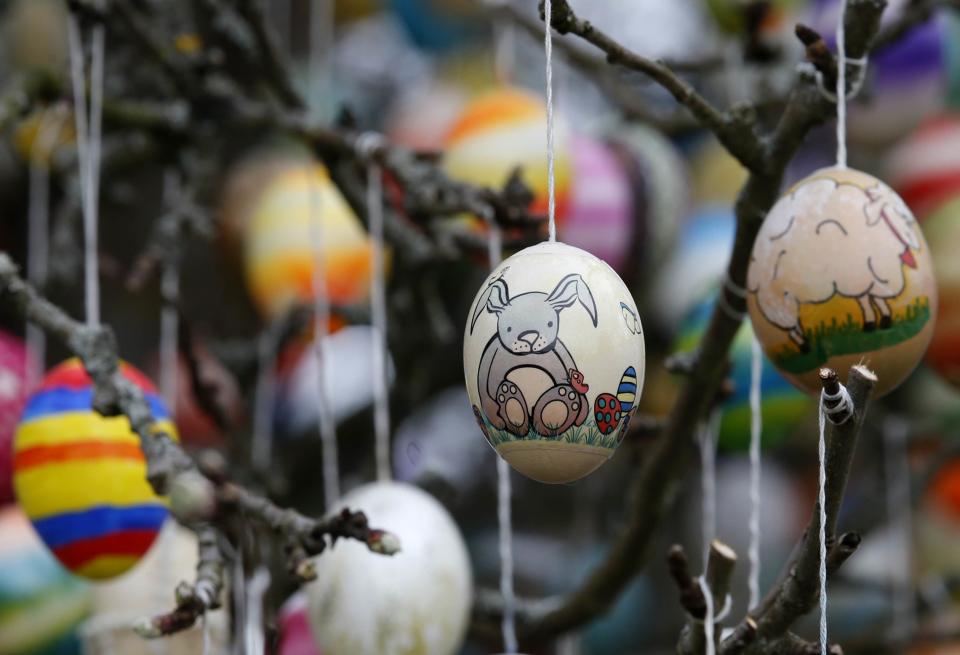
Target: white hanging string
38,229
205,631
321,323
261,447
378,314
88,151
708,617
548,47
756,432
504,495
822,504
708,485
253,633
841,89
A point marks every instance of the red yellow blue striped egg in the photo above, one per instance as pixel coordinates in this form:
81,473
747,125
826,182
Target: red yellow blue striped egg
81,477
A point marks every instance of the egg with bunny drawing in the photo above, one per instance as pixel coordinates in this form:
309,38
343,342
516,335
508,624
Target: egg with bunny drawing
840,273
554,360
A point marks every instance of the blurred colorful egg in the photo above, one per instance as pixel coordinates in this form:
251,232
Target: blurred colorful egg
347,367
841,274
503,130
924,168
782,405
34,35
81,477
716,176
41,605
147,591
546,336
416,601
293,620
600,215
659,181
297,208
697,264
942,230
906,81
439,24
422,116
13,395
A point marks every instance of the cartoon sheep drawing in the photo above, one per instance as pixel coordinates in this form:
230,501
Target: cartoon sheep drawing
862,239
527,376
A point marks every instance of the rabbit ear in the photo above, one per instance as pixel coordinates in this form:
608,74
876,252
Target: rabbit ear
495,299
570,289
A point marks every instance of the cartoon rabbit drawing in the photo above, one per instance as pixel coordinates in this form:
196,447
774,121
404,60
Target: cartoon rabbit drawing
527,377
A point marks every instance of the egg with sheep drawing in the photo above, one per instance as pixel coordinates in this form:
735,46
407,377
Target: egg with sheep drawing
840,273
554,360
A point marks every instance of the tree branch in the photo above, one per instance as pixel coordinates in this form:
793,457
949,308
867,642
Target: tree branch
798,590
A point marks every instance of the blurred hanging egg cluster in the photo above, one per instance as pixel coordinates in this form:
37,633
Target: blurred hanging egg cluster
81,477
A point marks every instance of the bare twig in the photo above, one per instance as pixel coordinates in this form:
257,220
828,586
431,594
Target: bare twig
720,564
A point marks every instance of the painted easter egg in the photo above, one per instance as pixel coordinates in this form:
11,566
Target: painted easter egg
600,214
505,129
840,273
416,601
293,620
905,81
148,590
299,207
942,230
422,116
551,330
660,181
81,477
438,25
782,404
924,168
41,604
696,264
13,396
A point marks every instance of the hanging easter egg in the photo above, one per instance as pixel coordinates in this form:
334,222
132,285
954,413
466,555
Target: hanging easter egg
840,273
81,477
696,264
438,25
660,183
552,339
600,215
416,601
293,621
300,207
41,604
13,395
33,35
422,116
147,591
347,363
782,405
503,130
924,168
905,81
942,230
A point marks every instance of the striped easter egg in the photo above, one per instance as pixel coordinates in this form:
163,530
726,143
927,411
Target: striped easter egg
81,477
600,217
297,207
41,604
924,168
503,130
627,391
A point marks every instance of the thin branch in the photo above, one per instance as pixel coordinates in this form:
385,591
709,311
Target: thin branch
797,592
734,130
169,469
720,565
275,73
